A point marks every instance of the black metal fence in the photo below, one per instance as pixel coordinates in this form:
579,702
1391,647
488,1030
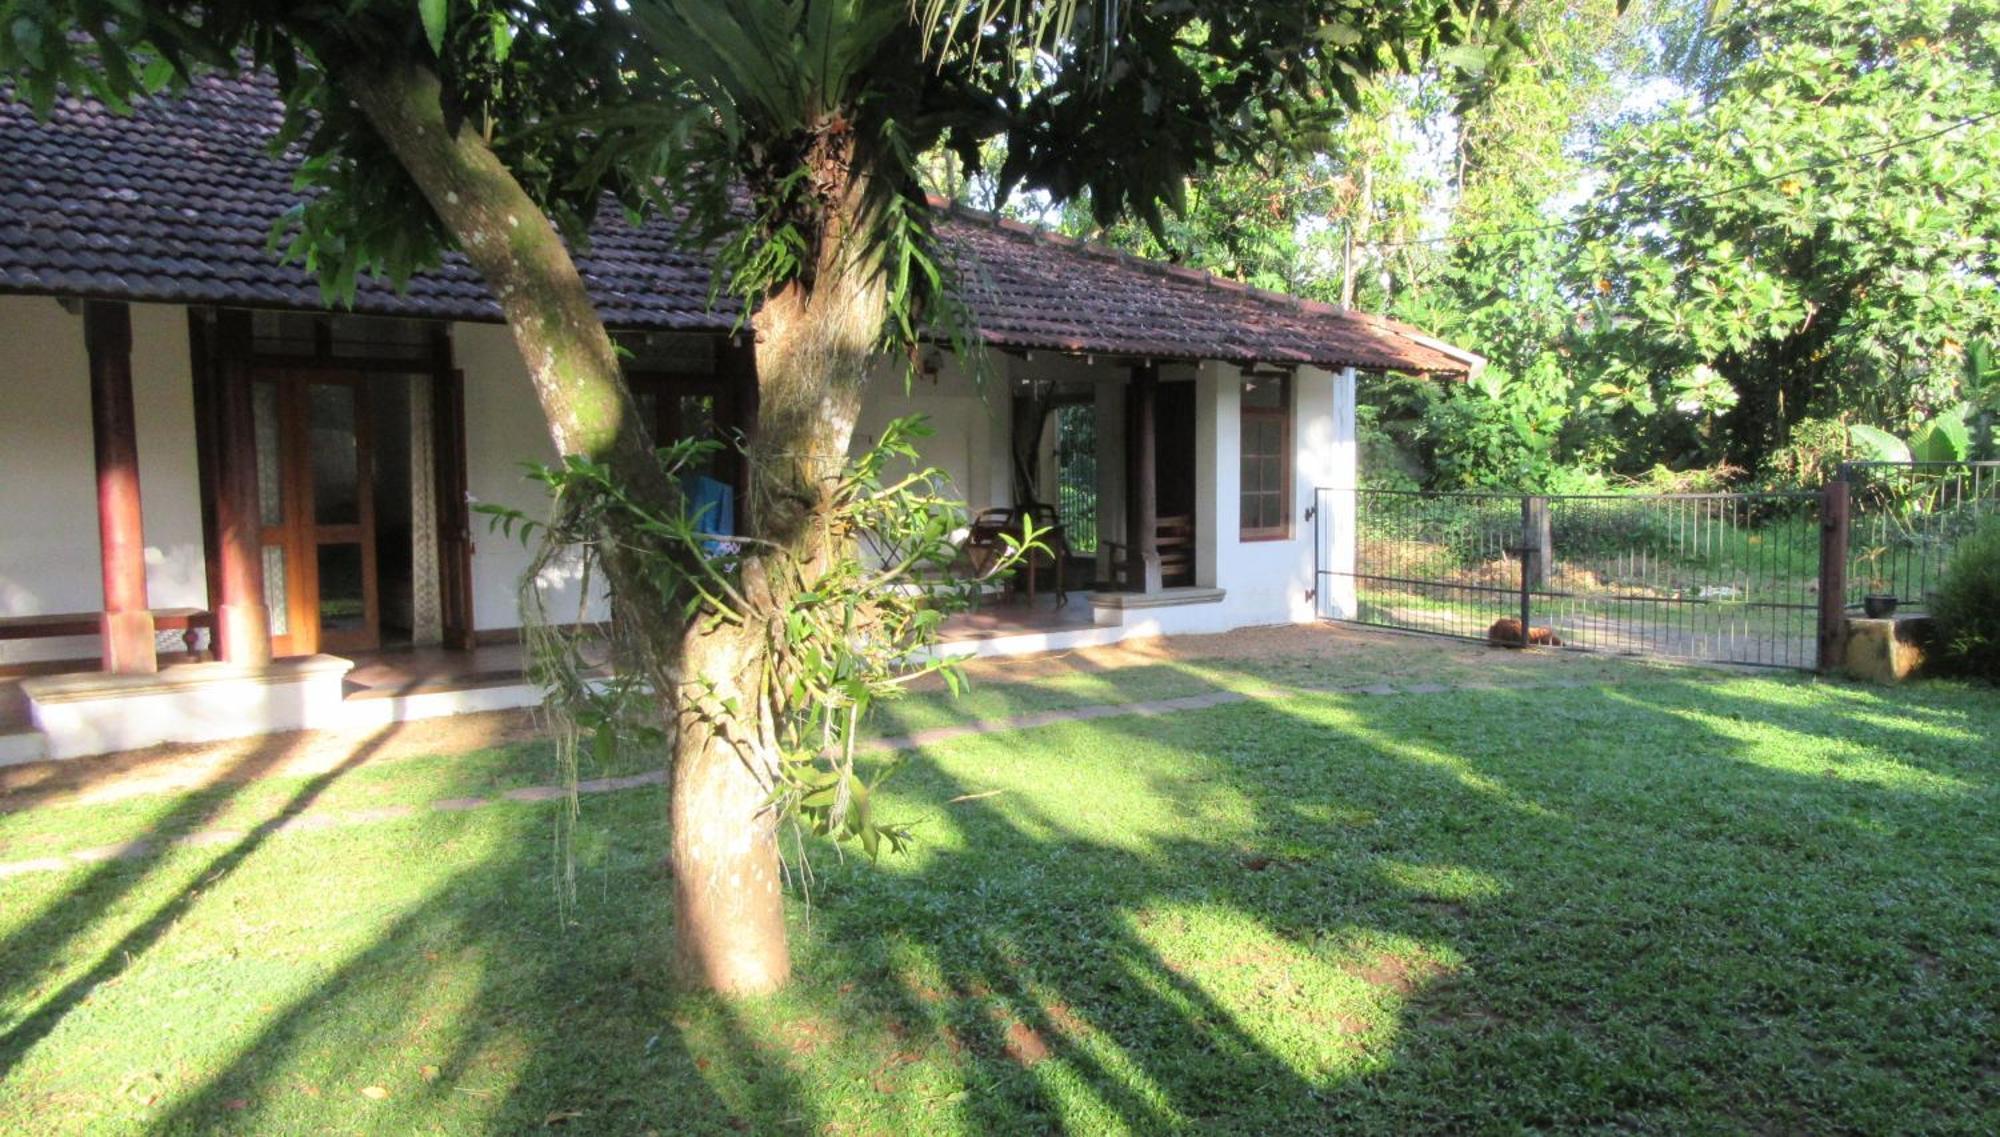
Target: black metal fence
1076,475
1905,519
1720,577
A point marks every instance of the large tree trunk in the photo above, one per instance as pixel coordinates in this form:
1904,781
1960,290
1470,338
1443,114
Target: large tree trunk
729,914
730,908
816,341
813,352
522,258
815,345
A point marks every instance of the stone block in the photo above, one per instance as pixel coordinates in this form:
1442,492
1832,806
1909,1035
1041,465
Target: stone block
1887,651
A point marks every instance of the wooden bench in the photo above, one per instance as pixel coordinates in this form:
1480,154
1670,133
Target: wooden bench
186,621
1173,539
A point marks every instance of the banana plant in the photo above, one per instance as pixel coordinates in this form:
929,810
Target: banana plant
1956,434
1947,437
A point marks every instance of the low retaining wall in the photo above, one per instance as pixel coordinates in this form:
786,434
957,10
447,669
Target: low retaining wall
97,713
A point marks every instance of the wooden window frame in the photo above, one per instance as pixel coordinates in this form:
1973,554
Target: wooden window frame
1287,469
668,387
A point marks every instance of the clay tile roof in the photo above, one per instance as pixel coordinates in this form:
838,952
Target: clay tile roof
1031,289
175,203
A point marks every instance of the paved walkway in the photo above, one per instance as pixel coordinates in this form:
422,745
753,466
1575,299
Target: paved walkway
311,821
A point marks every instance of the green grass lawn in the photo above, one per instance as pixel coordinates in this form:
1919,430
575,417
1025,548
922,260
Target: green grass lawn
1680,902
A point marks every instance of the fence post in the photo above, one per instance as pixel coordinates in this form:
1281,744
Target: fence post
1833,533
1530,554
1537,541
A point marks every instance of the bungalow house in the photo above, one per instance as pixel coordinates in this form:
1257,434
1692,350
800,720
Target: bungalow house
228,509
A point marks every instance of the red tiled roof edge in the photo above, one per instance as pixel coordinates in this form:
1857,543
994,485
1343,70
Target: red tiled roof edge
1466,363
174,203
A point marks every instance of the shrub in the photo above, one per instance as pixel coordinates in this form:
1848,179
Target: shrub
1719,478
1385,465
1810,457
1968,603
1480,442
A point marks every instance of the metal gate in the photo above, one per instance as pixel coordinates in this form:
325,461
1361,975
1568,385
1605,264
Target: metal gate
1732,578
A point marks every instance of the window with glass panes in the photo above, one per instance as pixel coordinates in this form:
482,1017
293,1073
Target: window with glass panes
1267,457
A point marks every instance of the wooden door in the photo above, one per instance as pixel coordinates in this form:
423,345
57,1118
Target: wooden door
316,504
1173,452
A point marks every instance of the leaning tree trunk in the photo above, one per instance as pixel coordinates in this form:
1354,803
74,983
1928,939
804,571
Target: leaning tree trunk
815,343
719,836
514,247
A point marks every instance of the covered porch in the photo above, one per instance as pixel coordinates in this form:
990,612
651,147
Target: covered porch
283,537
1183,491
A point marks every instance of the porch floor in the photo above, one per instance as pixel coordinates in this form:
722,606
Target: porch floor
399,671
1013,615
396,671
396,683
409,670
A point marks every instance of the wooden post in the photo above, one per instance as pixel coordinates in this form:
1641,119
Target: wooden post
1833,534
1537,541
242,623
1144,523
1529,552
128,619
454,513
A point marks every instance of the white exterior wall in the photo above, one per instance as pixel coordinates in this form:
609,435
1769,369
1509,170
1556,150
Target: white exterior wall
1218,470
972,425
48,476
504,428
169,467
1266,581
1343,517
49,555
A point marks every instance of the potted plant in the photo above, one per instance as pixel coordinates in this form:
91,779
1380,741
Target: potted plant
1879,605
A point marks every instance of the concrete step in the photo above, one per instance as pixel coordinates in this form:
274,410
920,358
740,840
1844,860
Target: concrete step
23,746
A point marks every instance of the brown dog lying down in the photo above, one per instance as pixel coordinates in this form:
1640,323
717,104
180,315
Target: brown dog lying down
1506,632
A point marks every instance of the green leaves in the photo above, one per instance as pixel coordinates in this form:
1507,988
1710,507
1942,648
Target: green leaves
836,626
856,630
26,33
1813,227
1946,438
432,13
1877,445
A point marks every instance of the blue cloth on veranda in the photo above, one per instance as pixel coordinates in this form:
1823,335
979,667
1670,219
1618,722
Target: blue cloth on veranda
712,506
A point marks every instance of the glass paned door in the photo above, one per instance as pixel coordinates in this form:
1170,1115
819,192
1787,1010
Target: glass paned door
316,501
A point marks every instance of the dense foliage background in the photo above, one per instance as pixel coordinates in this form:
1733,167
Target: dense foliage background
1702,243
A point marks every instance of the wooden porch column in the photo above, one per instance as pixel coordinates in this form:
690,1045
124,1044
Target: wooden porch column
242,625
127,628
1143,520
736,362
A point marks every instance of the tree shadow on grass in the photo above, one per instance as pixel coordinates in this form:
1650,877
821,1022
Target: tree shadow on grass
578,1026
1456,912
1383,913
31,949
1935,729
1636,918
477,1011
